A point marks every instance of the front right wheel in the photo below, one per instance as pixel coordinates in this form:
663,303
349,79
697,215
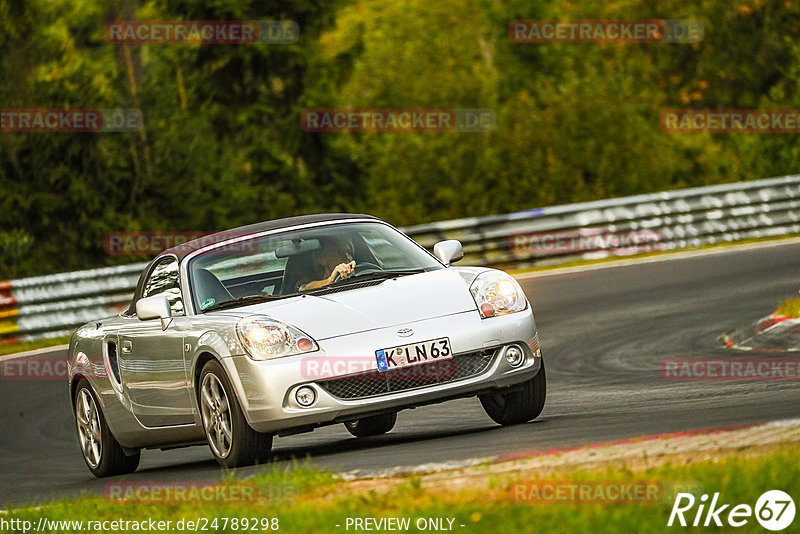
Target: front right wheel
103,454
232,441
519,405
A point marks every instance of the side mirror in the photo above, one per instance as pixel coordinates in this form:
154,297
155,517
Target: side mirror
155,307
449,251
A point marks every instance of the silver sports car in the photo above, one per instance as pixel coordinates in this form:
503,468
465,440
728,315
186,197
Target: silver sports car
284,326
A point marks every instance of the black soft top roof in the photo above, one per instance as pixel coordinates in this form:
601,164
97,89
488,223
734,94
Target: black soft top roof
183,250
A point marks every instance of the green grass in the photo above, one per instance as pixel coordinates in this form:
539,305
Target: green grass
322,502
303,476
32,345
790,308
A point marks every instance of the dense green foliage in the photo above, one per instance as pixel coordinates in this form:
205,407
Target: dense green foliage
222,143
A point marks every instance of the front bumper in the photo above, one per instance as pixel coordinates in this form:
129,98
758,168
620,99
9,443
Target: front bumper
266,389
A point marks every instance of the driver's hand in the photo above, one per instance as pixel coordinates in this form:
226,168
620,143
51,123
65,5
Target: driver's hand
344,270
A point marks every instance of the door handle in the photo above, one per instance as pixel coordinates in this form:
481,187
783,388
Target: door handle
127,346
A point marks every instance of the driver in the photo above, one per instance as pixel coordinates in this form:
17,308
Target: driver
335,259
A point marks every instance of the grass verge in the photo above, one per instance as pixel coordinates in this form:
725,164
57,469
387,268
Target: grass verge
322,503
789,308
33,345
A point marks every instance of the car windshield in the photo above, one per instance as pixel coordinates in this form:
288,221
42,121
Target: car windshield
312,260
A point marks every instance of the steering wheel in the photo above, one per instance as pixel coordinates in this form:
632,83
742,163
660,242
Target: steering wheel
361,268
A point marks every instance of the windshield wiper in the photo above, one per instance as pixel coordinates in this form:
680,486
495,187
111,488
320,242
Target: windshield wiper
246,301
376,275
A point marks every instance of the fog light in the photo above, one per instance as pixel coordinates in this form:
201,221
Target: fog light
514,356
305,396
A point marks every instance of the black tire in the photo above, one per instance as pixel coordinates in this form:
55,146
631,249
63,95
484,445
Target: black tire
372,426
245,446
101,451
519,405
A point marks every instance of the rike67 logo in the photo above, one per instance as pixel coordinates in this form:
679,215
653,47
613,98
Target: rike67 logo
774,510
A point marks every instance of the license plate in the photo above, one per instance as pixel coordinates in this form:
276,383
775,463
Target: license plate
414,354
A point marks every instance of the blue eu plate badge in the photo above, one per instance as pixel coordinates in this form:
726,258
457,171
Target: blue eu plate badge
382,365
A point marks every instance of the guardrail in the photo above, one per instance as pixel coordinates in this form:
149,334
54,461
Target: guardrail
628,225
51,306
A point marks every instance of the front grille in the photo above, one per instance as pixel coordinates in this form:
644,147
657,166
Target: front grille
376,383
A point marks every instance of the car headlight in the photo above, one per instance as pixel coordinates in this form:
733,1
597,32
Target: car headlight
497,293
264,338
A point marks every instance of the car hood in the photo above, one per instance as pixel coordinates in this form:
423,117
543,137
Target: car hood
392,302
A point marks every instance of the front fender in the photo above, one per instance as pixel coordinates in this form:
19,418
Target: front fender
221,347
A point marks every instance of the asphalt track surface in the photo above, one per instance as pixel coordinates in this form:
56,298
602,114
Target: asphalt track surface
604,333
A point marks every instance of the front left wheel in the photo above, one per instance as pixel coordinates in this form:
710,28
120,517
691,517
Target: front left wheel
520,404
232,441
103,454
372,426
